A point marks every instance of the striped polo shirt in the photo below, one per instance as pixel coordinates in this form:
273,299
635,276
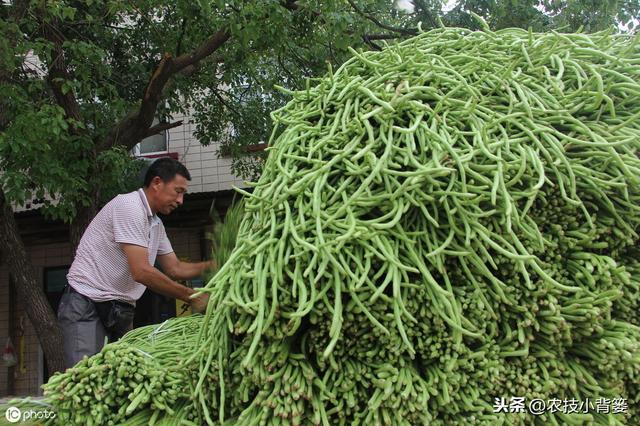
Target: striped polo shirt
100,269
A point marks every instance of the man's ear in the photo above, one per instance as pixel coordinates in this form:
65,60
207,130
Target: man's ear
155,182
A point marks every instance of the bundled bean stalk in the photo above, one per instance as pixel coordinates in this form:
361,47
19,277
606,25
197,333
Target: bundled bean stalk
224,233
448,221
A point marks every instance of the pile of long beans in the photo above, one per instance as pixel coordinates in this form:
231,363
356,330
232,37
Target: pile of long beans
459,211
443,223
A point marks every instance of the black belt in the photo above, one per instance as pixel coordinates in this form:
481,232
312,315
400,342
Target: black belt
69,289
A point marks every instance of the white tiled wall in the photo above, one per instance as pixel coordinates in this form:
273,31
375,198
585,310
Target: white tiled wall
208,172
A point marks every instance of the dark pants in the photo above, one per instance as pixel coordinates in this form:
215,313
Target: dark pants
86,324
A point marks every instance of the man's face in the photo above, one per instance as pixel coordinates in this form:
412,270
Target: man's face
169,195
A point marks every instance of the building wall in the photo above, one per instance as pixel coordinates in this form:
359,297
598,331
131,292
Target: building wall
186,243
4,319
208,172
27,381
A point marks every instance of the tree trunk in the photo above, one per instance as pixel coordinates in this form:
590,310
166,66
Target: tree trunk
27,289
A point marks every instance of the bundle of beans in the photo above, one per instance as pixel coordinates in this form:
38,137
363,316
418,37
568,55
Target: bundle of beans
443,223
140,374
224,233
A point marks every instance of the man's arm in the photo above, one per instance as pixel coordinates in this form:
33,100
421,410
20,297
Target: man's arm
144,273
182,270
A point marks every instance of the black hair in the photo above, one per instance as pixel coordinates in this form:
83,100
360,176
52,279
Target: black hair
166,168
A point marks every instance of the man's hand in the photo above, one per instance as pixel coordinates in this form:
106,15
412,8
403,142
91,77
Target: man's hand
209,265
199,303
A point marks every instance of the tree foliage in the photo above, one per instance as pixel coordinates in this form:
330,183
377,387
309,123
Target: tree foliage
546,15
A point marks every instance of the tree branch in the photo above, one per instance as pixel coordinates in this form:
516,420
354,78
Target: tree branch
380,24
183,26
380,36
293,6
133,127
91,23
285,69
154,130
422,10
226,104
204,50
58,73
367,40
290,4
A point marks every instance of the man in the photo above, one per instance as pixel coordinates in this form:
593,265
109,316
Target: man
114,263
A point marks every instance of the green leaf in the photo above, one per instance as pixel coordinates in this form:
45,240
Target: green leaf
66,88
68,13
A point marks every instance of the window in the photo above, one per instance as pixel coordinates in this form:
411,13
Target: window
156,144
55,279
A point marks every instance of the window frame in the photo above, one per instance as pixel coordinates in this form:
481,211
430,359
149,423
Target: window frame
165,137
